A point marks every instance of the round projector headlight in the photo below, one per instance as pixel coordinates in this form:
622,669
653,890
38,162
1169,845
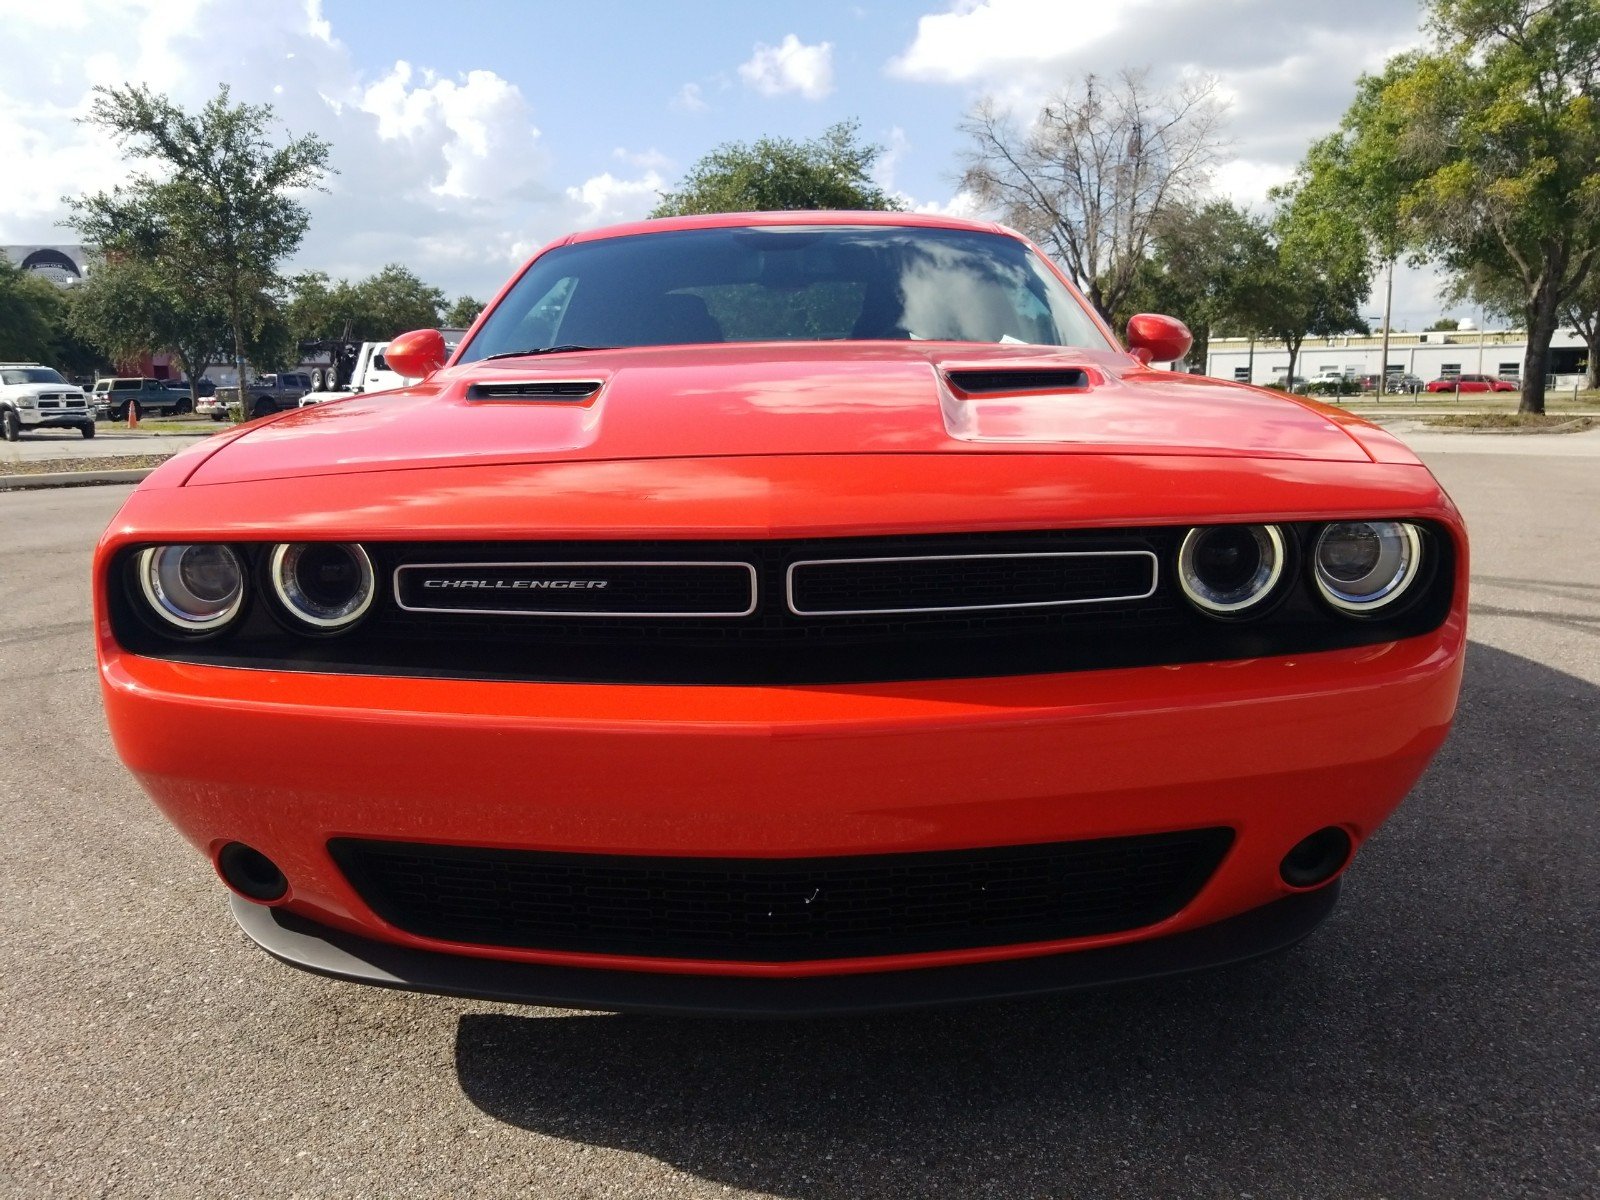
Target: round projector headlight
328,585
1227,570
1362,566
197,587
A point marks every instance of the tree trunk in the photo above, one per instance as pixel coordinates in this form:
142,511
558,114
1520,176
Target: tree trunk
1589,331
1294,356
1536,364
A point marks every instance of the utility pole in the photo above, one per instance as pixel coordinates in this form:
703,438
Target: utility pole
1388,305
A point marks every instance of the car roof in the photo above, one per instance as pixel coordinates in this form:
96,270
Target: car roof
787,217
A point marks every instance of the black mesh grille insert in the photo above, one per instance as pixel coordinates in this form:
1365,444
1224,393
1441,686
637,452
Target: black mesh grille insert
781,910
980,581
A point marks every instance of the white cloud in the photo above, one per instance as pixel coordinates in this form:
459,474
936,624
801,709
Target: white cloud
1287,71
689,99
646,160
432,170
790,66
962,204
607,200
983,41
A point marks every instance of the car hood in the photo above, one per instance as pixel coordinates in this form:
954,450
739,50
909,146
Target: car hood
811,398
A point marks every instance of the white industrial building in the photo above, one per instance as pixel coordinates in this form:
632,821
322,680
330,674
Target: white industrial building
1436,354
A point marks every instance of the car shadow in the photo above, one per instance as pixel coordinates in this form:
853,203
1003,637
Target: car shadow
1428,1040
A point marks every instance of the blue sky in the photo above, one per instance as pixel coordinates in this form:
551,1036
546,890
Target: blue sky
467,134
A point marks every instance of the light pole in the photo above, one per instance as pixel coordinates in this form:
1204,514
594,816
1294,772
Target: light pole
1388,305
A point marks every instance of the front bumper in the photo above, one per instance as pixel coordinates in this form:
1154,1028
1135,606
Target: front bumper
1274,749
55,419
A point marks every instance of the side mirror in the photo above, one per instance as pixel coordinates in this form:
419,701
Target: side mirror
417,354
1154,338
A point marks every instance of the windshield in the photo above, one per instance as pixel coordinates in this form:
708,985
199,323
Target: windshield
30,375
787,283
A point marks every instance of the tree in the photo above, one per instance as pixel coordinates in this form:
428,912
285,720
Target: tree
130,307
779,174
1319,275
1095,172
1583,314
1444,324
1484,153
220,211
463,312
1203,269
31,314
375,309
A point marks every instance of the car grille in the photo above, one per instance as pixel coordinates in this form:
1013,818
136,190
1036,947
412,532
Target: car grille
781,910
825,611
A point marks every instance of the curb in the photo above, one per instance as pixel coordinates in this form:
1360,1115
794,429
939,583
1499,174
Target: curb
70,479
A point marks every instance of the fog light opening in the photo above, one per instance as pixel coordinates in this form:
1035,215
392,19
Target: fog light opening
1316,859
251,873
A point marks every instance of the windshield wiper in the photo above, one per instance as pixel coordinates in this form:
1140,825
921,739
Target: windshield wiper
563,349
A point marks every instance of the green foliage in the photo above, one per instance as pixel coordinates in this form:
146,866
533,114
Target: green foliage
130,307
1444,324
1205,268
375,309
833,171
32,314
1322,270
1482,153
218,213
463,312
1333,387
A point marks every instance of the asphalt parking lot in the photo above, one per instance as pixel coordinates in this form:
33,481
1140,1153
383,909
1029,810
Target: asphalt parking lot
1439,1037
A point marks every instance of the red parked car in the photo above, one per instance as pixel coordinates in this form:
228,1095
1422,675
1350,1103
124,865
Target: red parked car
1471,383
784,613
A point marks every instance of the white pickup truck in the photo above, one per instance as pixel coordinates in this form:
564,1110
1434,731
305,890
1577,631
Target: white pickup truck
33,396
371,374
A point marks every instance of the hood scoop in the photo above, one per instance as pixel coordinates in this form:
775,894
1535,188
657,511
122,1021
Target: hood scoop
1009,382
568,390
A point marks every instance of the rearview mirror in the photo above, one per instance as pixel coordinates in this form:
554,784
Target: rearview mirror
1154,338
417,354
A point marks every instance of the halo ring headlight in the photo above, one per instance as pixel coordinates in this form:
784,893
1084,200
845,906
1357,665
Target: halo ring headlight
326,585
197,587
1363,566
1229,570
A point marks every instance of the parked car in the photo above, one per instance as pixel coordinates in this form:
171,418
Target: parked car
1402,383
265,395
1471,383
146,397
815,596
34,396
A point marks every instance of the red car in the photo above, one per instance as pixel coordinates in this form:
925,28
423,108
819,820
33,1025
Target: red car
1471,383
784,613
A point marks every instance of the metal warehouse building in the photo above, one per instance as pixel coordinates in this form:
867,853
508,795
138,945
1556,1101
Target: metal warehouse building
1437,354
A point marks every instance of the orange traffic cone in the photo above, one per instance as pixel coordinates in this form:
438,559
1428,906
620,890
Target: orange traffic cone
133,414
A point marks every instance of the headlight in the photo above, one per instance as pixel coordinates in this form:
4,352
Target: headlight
27,402
196,588
327,585
1362,566
1227,570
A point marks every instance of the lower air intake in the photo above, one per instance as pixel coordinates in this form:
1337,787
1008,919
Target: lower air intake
781,910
